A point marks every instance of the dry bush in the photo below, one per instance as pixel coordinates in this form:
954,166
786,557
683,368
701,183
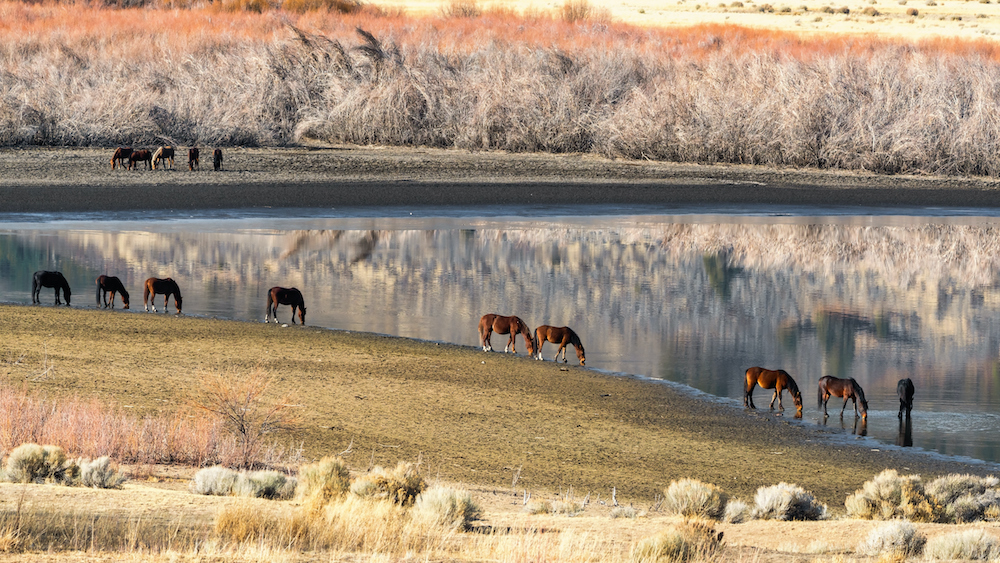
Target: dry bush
692,498
573,11
462,9
679,542
243,521
336,6
889,496
965,545
272,485
966,498
897,538
445,507
400,485
324,480
217,480
100,474
242,401
787,502
32,463
737,512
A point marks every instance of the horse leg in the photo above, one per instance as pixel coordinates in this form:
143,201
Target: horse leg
776,396
511,343
166,296
563,349
58,302
845,406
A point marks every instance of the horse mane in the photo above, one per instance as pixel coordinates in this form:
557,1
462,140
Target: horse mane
859,391
574,339
790,383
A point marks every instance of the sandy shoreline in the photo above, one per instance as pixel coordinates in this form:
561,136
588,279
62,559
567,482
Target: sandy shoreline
81,180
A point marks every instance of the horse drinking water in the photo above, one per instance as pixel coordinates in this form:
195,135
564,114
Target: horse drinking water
512,325
285,296
112,285
561,335
165,287
905,391
849,389
779,380
49,279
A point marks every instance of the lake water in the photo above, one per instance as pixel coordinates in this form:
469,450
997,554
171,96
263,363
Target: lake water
691,296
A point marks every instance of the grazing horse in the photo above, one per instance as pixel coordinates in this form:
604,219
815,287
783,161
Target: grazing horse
512,325
778,380
561,335
285,296
193,158
161,154
121,155
905,391
165,286
217,159
849,389
141,155
112,285
49,279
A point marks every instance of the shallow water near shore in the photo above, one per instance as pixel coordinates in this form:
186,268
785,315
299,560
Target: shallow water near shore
690,295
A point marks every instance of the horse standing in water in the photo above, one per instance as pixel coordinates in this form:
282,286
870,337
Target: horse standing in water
165,287
849,389
561,335
778,380
905,391
285,296
112,285
512,325
49,279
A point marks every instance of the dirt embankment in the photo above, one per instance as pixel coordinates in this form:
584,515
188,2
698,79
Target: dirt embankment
69,180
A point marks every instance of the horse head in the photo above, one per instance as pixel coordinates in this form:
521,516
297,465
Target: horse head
580,354
797,399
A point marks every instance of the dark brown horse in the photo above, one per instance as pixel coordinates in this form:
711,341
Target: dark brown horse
121,155
141,155
217,159
165,287
193,163
49,279
905,391
112,285
512,325
779,380
849,389
561,335
163,154
285,296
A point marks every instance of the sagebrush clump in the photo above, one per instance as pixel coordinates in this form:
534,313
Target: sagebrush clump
965,545
271,485
446,507
966,498
787,502
692,498
32,463
326,479
890,496
679,542
99,474
898,538
216,480
400,485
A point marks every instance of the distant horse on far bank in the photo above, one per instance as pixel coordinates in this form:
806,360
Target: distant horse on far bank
511,325
158,286
285,296
217,159
193,162
905,391
163,154
112,285
141,155
120,157
849,389
45,278
779,380
561,335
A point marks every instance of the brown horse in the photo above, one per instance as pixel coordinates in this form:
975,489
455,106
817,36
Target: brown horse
512,325
121,155
112,285
141,155
778,380
849,389
217,159
165,287
163,154
193,163
561,335
285,296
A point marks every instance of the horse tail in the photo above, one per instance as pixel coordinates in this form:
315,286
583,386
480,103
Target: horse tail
145,291
819,397
270,302
98,292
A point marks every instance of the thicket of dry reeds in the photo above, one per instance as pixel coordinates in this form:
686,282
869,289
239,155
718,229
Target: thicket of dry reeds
80,75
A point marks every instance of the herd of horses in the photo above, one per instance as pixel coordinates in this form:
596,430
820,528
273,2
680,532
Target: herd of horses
829,386
126,157
513,325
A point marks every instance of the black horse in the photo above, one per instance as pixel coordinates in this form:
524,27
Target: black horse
46,278
905,391
112,285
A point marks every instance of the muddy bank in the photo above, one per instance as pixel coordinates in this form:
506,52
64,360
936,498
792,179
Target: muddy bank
69,179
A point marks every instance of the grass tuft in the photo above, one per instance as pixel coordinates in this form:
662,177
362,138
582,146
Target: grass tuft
964,545
898,538
679,542
446,507
787,502
692,498
400,485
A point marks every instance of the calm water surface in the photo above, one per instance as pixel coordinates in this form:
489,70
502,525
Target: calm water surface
689,297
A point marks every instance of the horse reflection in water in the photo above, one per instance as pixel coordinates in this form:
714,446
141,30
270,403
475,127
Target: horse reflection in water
905,437
361,249
858,426
779,380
